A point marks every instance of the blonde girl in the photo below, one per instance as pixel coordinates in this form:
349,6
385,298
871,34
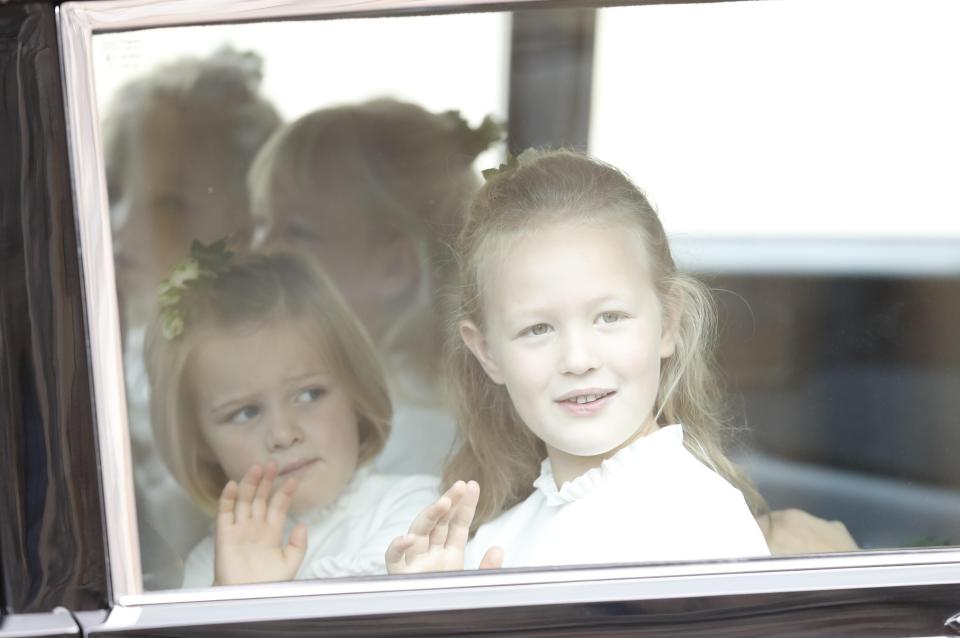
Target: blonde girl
590,414
259,375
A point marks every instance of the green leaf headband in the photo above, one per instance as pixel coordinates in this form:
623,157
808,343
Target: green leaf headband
510,165
205,262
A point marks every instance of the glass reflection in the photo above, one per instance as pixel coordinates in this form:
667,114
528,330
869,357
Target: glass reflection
847,381
373,192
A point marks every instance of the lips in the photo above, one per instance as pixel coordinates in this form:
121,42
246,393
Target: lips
585,395
295,466
585,401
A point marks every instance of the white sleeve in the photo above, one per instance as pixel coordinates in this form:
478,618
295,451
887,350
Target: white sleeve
198,570
393,510
732,531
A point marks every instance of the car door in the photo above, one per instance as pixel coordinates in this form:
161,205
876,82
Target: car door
819,325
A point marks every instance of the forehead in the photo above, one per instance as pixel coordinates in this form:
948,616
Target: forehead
544,254
259,350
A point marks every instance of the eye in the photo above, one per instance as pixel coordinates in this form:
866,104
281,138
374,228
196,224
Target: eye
610,316
309,395
244,415
536,330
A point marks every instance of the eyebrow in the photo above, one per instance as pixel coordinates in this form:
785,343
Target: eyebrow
538,309
230,404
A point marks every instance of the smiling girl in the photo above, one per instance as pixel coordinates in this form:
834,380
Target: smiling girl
589,411
261,375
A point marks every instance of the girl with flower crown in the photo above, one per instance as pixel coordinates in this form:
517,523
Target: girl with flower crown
268,404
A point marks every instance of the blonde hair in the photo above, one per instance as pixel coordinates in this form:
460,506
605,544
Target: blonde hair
414,166
257,290
549,187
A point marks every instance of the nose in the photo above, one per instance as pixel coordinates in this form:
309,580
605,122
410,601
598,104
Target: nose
284,431
578,355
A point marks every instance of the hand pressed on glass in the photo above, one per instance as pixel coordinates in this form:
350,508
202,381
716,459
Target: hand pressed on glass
249,537
439,534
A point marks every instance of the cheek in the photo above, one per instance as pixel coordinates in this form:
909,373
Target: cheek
233,450
337,429
525,368
638,357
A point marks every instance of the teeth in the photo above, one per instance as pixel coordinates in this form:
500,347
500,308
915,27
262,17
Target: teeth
587,398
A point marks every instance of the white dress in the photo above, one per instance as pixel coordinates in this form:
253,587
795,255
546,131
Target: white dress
652,501
349,536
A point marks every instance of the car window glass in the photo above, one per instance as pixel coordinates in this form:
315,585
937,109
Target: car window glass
290,205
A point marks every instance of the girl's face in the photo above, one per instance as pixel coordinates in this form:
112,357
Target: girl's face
575,331
268,393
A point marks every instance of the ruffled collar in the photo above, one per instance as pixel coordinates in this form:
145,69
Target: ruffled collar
360,475
668,436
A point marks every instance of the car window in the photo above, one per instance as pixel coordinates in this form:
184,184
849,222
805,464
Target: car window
628,273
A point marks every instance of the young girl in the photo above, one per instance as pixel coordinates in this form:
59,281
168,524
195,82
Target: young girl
589,412
259,373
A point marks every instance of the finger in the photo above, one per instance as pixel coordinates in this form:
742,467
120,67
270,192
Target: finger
247,488
258,508
296,548
280,503
459,530
226,505
394,556
493,558
438,536
428,519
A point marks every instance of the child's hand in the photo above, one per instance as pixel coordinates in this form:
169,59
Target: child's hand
439,534
249,537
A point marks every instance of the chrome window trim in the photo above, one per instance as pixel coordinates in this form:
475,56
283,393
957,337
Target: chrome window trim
758,575
78,22
283,601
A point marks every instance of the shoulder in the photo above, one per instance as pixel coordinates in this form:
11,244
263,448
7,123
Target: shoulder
689,474
710,500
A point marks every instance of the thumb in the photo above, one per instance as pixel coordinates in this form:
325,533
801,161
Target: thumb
493,559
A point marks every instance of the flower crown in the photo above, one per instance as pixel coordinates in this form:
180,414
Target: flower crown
206,262
512,163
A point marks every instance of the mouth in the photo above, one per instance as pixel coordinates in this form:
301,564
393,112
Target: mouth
296,466
585,401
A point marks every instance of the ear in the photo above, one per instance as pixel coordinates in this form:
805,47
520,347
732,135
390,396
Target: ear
400,267
477,343
670,328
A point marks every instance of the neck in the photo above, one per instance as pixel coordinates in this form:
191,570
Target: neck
566,467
